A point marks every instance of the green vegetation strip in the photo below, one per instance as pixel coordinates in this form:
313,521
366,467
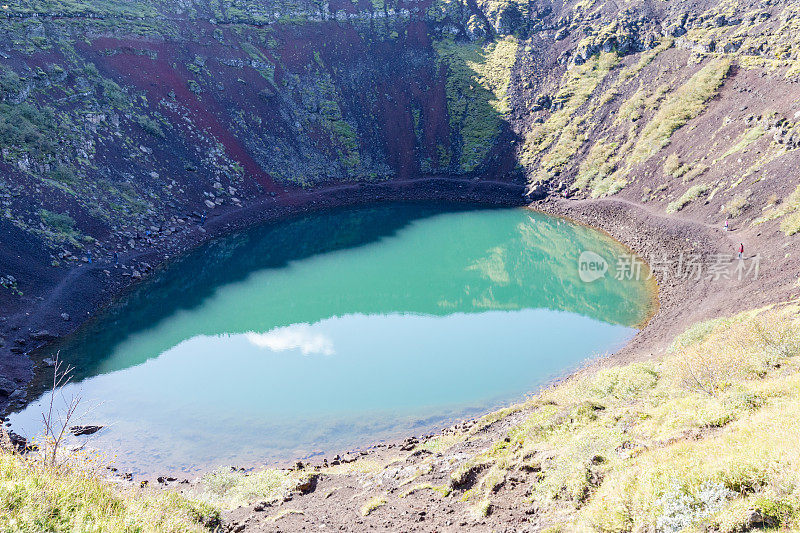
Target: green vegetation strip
687,102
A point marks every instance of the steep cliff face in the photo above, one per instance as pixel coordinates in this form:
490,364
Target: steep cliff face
116,118
124,123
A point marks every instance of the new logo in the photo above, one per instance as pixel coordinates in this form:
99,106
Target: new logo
591,266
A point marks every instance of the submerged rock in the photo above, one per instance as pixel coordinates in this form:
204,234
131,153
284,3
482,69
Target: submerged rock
84,430
42,335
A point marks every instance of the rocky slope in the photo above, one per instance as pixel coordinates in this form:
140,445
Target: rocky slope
131,131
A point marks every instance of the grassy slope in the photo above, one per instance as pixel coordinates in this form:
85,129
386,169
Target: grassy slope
697,440
619,133
35,497
477,79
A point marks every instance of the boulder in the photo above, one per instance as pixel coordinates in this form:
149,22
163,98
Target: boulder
307,484
757,519
409,444
7,386
18,394
261,506
536,192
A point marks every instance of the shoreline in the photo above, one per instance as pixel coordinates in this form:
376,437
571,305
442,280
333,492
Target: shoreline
654,236
626,222
357,446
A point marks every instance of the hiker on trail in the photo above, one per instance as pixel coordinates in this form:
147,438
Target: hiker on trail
726,225
202,219
89,257
741,250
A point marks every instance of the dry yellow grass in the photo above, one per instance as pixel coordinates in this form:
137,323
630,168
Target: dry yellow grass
704,438
678,109
373,504
75,497
788,210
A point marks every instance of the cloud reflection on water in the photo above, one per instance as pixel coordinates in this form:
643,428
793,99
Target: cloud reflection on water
295,337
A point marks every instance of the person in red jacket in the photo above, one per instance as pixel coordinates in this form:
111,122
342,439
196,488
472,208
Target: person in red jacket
741,250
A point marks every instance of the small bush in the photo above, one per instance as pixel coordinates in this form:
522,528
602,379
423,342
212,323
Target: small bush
59,227
10,84
624,382
90,69
597,165
228,489
28,128
195,87
737,205
150,125
114,94
693,172
483,508
789,209
693,193
671,164
694,334
682,507
58,222
748,138
745,351
687,102
791,224
62,174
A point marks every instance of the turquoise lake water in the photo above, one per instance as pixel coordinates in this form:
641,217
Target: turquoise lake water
338,330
